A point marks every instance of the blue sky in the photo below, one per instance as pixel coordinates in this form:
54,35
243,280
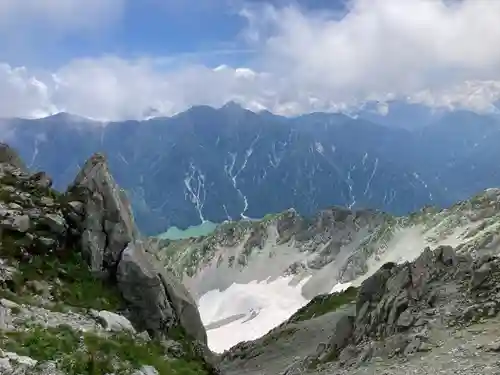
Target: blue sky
118,59
208,31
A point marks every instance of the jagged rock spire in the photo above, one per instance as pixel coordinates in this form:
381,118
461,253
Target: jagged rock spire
109,224
111,244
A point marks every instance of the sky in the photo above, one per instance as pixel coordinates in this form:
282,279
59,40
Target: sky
129,59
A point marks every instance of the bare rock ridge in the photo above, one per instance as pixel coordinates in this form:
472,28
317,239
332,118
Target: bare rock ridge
43,234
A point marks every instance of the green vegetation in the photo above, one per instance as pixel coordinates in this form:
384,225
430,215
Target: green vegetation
324,304
5,196
79,353
271,217
70,280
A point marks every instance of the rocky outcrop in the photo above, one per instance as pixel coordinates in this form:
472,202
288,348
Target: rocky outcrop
82,249
29,209
113,247
400,310
156,299
9,159
399,305
108,224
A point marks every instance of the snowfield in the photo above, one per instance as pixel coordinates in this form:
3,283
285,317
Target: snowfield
245,312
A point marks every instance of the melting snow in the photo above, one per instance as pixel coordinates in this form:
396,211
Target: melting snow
255,309
319,147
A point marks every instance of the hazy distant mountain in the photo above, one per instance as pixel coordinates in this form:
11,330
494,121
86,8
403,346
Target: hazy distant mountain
215,164
400,114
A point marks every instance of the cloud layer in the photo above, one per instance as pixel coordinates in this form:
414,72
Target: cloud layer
427,51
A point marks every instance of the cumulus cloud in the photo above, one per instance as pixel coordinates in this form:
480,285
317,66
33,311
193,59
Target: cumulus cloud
385,45
430,51
22,94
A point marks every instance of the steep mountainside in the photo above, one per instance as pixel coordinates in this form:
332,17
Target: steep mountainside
249,276
81,292
216,164
435,315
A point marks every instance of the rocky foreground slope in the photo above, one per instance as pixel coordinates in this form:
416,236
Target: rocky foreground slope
80,291
436,315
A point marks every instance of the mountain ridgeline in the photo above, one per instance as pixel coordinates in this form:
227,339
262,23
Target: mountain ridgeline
230,163
334,246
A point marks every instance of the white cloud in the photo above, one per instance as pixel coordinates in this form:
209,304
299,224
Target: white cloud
422,50
22,94
385,45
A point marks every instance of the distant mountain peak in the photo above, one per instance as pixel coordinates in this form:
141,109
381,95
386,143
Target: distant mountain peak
233,106
67,117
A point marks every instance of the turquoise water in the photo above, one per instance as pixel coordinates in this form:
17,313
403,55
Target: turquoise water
174,233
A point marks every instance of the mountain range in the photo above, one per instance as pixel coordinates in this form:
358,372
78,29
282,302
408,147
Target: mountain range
209,164
345,291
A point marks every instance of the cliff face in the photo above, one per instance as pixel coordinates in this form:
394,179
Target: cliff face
74,269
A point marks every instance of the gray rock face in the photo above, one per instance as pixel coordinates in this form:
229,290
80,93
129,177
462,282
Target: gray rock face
108,225
341,333
112,245
42,180
142,288
157,300
28,206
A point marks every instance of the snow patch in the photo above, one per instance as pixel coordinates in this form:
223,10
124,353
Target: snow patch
251,310
319,148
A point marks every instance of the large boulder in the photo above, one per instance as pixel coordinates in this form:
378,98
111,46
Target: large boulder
157,300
